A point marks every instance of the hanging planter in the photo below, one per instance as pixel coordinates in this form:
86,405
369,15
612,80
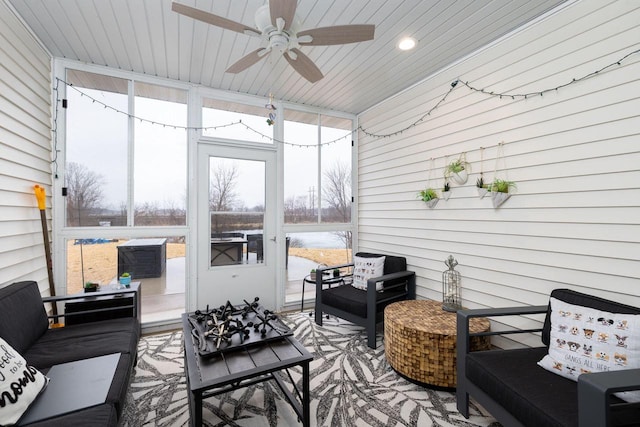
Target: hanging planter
458,170
446,191
500,188
430,197
481,186
500,191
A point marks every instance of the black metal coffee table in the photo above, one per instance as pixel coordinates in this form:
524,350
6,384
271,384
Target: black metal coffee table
207,377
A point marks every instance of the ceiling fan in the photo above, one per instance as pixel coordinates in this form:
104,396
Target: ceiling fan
278,26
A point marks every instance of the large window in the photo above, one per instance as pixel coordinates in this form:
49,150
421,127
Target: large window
96,150
160,156
102,159
317,170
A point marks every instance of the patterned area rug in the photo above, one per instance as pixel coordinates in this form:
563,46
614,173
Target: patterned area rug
351,385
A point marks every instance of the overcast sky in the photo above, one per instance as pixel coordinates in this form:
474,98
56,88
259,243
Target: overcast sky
97,138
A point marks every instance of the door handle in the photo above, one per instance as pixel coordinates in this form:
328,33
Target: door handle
273,239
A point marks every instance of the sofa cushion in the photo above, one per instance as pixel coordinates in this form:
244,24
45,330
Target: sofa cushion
354,301
20,384
84,341
101,415
533,395
585,340
365,268
21,305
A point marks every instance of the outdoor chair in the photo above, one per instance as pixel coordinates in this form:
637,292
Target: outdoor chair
255,245
366,307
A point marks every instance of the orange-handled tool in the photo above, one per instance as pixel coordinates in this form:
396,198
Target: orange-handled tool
41,196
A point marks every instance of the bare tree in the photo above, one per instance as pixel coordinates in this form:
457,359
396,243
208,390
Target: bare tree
84,192
336,190
222,194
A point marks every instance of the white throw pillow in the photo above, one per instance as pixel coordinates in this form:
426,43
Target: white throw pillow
366,268
585,340
20,384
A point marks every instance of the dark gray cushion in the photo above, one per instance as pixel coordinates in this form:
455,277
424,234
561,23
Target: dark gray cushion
24,319
354,301
533,395
84,341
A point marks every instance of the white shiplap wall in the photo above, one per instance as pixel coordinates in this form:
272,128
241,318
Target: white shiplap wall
574,153
25,150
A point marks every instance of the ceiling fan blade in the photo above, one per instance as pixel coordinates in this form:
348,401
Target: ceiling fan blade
285,9
247,61
340,34
304,66
212,19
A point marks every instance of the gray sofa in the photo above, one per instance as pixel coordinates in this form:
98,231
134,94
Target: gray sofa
518,392
25,326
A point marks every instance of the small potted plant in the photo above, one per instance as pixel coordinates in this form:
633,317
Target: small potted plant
500,191
312,275
458,170
429,196
446,193
482,187
125,279
91,286
336,272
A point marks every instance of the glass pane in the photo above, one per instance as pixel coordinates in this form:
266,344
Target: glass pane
96,150
158,263
301,169
236,208
160,165
336,169
220,119
308,250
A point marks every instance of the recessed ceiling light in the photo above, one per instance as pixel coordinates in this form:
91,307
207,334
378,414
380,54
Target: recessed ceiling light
407,43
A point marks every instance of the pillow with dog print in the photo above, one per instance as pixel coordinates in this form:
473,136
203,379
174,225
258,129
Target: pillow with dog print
364,269
20,384
585,340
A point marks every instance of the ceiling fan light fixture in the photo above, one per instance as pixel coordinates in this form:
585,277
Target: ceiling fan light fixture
407,43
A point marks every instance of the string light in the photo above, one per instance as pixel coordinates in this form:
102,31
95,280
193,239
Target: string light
199,128
513,96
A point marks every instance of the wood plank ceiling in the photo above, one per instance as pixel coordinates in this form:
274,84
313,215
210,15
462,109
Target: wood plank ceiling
145,36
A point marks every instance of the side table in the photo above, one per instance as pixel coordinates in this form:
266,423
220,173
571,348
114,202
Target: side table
420,341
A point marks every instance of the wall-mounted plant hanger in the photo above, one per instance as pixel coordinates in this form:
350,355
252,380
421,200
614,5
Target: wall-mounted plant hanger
429,195
500,188
458,170
480,184
446,190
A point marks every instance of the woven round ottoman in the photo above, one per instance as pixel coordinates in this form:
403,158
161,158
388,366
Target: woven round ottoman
420,341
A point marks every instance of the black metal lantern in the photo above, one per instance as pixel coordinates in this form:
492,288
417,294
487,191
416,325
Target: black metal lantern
451,286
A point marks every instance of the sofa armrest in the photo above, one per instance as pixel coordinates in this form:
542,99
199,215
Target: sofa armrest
463,340
594,394
464,316
133,291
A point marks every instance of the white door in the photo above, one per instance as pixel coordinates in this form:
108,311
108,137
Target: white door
236,236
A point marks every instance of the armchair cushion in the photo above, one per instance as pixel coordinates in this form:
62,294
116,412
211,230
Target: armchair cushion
365,268
354,301
540,398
